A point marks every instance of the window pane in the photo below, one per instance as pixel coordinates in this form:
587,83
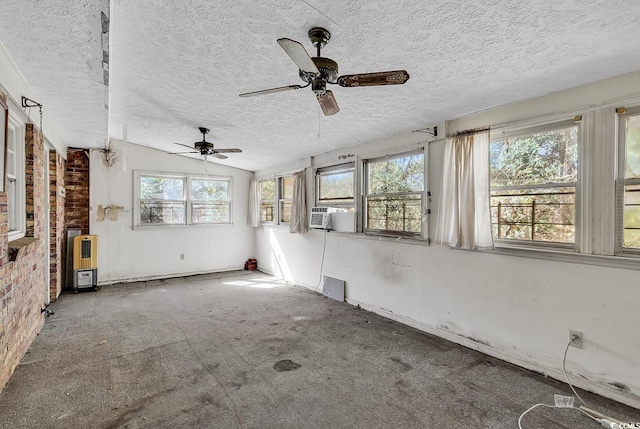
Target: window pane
400,213
545,157
336,186
285,211
161,188
287,187
210,212
209,190
267,190
404,174
161,212
11,140
11,205
267,211
633,148
632,216
534,214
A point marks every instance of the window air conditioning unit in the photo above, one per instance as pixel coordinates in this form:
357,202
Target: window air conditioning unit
321,217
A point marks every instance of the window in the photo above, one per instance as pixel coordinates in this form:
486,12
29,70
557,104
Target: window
210,200
267,201
394,188
165,199
629,183
335,186
533,184
15,183
285,196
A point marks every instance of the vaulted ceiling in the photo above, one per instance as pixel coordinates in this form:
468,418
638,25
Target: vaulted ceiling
175,66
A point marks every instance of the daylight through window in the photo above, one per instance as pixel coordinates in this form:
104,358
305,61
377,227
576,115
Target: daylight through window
394,193
180,200
533,184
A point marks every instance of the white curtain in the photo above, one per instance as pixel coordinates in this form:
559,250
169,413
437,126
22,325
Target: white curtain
299,223
253,216
464,217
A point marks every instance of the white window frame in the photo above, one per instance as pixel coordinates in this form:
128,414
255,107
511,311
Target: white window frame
273,202
325,171
364,171
191,200
525,130
281,198
621,182
186,201
16,209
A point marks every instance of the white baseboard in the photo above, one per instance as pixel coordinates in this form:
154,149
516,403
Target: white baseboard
165,276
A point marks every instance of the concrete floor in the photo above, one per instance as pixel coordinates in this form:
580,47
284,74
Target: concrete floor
240,350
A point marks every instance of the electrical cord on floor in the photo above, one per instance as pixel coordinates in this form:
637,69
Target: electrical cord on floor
324,247
604,421
554,406
564,371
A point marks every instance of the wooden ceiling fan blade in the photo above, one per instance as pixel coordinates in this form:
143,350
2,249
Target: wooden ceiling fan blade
178,153
395,77
271,91
219,156
299,55
328,103
231,150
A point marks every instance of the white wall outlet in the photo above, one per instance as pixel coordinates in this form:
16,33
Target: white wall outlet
576,339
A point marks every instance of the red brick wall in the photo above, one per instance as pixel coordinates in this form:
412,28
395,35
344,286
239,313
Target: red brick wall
76,181
56,226
22,282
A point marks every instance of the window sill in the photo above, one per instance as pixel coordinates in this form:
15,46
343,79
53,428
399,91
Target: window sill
565,255
172,227
380,237
16,245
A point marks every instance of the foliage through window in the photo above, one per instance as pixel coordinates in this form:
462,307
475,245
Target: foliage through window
286,195
179,200
335,186
393,194
631,183
533,184
210,201
267,200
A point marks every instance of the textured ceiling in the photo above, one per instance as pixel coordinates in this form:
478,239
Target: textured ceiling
57,46
175,66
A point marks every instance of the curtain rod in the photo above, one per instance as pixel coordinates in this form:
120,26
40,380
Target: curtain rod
471,131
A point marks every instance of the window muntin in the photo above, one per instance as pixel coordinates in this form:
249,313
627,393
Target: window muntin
533,184
394,188
165,199
267,201
630,236
210,202
335,186
285,200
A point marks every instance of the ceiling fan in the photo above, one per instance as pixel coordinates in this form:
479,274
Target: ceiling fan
206,148
320,71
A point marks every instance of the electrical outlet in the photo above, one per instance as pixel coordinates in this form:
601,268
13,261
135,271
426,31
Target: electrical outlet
576,339
182,256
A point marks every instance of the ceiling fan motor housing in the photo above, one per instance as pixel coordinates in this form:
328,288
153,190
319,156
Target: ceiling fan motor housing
328,71
204,147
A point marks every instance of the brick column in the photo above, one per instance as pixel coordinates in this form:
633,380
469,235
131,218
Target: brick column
76,181
56,226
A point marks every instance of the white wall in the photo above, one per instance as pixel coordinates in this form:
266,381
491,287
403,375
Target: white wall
516,308
125,254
